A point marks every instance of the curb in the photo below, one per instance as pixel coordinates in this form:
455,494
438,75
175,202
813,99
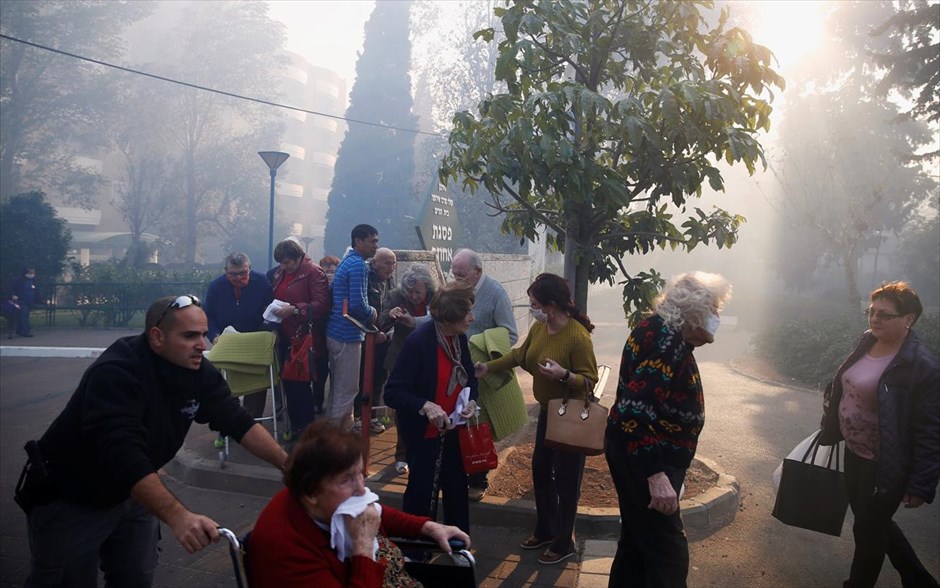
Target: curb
741,372
705,512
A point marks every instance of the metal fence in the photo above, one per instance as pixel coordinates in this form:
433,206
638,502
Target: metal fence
111,304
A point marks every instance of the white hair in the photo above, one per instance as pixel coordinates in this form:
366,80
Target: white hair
473,258
690,297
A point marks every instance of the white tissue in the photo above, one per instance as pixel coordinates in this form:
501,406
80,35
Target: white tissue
272,308
353,506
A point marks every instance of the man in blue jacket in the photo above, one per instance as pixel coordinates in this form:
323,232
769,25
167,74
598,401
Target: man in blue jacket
238,299
343,338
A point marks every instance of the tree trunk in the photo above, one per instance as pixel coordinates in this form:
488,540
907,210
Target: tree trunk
576,272
851,280
189,222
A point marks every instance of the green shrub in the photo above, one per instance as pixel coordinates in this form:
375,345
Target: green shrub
810,351
113,294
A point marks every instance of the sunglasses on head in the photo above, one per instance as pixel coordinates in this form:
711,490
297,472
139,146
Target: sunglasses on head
180,302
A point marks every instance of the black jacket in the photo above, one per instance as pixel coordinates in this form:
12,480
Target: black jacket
128,417
908,418
413,381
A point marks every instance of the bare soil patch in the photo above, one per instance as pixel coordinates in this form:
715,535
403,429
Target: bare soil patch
513,479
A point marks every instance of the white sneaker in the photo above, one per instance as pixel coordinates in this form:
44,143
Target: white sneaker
357,426
376,426
401,467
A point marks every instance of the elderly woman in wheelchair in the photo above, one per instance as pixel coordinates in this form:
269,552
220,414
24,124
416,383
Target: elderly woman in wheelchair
327,529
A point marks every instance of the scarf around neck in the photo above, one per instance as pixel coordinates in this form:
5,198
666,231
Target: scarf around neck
458,375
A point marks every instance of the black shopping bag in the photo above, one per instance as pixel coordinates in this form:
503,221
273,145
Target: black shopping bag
812,496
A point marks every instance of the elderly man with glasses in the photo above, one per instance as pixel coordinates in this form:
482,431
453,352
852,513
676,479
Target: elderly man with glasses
90,489
237,299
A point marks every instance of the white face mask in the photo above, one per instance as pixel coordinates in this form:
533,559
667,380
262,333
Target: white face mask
538,315
711,324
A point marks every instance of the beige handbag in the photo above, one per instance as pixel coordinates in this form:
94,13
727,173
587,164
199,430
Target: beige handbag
576,425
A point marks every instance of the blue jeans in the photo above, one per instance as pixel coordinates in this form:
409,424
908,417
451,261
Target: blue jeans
68,542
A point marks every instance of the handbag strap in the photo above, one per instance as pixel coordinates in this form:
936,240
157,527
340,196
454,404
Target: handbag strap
813,448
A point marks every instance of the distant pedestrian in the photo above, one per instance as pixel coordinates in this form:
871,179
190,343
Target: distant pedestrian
237,299
559,354
885,402
653,429
492,308
25,296
91,491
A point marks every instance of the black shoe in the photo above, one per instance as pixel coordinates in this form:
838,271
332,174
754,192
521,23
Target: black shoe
26,335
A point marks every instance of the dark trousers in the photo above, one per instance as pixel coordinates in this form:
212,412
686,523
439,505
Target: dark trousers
556,482
422,456
652,551
401,446
876,535
299,395
68,542
22,323
319,385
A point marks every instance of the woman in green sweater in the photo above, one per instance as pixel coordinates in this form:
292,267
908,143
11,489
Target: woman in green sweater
560,356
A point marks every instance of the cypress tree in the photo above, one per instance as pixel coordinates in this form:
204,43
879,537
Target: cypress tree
375,165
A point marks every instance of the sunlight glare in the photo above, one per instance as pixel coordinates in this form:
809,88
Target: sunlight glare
789,28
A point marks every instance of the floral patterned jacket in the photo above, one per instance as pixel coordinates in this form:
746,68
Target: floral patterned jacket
660,409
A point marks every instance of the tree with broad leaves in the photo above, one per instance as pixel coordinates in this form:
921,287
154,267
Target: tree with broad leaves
613,111
32,235
54,106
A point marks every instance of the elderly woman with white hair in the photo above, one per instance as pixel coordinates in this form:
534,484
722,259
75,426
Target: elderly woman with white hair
653,428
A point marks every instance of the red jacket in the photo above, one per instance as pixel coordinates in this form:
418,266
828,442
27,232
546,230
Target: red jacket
288,549
310,293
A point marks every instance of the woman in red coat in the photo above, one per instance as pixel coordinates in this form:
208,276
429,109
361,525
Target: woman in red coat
291,542
303,285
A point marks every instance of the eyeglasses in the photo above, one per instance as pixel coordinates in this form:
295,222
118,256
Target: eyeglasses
880,315
240,274
180,302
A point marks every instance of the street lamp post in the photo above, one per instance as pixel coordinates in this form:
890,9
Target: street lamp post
273,159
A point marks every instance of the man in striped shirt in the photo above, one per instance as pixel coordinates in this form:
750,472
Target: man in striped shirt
343,338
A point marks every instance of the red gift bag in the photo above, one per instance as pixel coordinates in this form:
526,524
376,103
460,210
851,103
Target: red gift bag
477,449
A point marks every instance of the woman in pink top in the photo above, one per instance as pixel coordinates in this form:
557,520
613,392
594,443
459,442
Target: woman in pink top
885,402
